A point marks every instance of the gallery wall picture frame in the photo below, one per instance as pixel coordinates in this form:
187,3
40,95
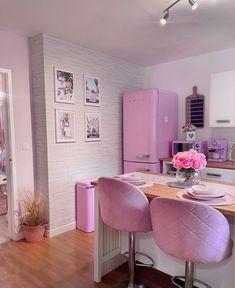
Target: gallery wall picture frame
65,125
92,126
91,90
64,86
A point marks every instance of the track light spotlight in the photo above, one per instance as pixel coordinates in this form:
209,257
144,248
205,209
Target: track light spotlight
163,21
164,18
193,4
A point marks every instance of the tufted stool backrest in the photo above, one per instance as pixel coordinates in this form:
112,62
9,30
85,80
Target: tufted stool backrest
123,206
190,231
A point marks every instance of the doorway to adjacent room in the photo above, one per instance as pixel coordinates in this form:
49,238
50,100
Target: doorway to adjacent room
7,217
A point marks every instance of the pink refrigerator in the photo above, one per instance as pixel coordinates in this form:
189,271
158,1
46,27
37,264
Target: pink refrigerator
149,126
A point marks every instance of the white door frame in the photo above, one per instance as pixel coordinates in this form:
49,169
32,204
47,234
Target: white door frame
11,159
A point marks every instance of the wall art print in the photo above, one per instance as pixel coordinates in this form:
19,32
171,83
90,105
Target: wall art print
91,90
92,126
65,125
64,83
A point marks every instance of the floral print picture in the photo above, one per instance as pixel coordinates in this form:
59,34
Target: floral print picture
64,86
65,126
92,126
92,90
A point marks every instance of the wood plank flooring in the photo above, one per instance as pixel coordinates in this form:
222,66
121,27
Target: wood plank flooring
65,261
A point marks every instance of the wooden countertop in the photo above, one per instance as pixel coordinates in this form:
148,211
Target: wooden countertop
158,190
222,165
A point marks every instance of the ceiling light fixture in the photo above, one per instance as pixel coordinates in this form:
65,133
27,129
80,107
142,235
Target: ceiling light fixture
193,4
164,18
163,21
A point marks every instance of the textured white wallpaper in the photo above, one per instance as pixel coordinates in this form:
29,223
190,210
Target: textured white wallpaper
60,165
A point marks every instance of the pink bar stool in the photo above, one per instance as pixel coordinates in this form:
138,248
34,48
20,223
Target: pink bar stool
191,231
124,207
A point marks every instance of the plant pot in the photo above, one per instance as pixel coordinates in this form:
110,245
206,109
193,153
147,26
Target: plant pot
33,234
190,135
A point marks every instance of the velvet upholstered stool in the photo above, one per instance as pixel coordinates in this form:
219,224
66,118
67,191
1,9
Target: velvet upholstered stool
126,208
190,231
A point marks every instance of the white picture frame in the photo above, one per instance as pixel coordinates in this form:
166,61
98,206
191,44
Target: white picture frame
64,86
91,90
92,126
65,125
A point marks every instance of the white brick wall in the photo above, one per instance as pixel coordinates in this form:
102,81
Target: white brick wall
69,162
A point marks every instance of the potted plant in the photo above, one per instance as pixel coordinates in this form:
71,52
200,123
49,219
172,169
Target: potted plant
33,217
190,131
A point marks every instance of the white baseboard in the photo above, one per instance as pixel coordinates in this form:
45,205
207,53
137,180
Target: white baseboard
53,232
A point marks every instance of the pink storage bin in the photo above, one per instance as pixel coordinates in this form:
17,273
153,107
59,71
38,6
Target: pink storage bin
85,205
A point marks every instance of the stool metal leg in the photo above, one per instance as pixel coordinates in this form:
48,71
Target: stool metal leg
131,262
131,265
189,267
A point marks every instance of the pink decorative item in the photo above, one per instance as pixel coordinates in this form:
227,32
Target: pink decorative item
189,159
85,202
188,163
190,131
189,127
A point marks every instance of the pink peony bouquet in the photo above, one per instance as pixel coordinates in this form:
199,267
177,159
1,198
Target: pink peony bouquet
189,160
189,127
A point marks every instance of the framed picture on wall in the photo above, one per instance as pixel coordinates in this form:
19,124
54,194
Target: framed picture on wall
91,90
64,83
92,126
65,125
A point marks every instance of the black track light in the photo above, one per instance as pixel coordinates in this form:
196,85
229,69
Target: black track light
193,4
163,21
164,18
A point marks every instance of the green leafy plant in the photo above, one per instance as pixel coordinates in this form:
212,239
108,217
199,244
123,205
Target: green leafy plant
32,211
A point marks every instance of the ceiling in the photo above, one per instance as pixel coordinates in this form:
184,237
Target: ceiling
127,29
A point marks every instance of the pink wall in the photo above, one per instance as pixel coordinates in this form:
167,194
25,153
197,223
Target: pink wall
181,75
14,56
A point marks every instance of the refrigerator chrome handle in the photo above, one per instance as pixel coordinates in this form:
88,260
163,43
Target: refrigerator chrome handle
141,156
143,170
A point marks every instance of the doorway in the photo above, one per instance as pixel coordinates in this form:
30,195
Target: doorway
7,217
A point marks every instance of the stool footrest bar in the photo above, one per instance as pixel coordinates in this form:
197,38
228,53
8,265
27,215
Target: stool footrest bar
179,281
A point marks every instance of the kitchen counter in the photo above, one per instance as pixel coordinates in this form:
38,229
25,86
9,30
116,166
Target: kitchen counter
221,165
158,190
211,164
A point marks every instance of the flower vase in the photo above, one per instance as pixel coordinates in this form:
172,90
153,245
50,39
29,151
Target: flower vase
188,177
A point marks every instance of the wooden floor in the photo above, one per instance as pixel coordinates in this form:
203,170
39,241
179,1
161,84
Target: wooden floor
63,261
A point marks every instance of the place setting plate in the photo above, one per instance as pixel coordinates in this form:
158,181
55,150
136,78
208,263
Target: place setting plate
136,181
203,194
206,196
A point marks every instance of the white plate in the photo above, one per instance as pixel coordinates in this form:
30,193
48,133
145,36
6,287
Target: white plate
146,185
137,182
131,178
202,192
202,198
226,200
